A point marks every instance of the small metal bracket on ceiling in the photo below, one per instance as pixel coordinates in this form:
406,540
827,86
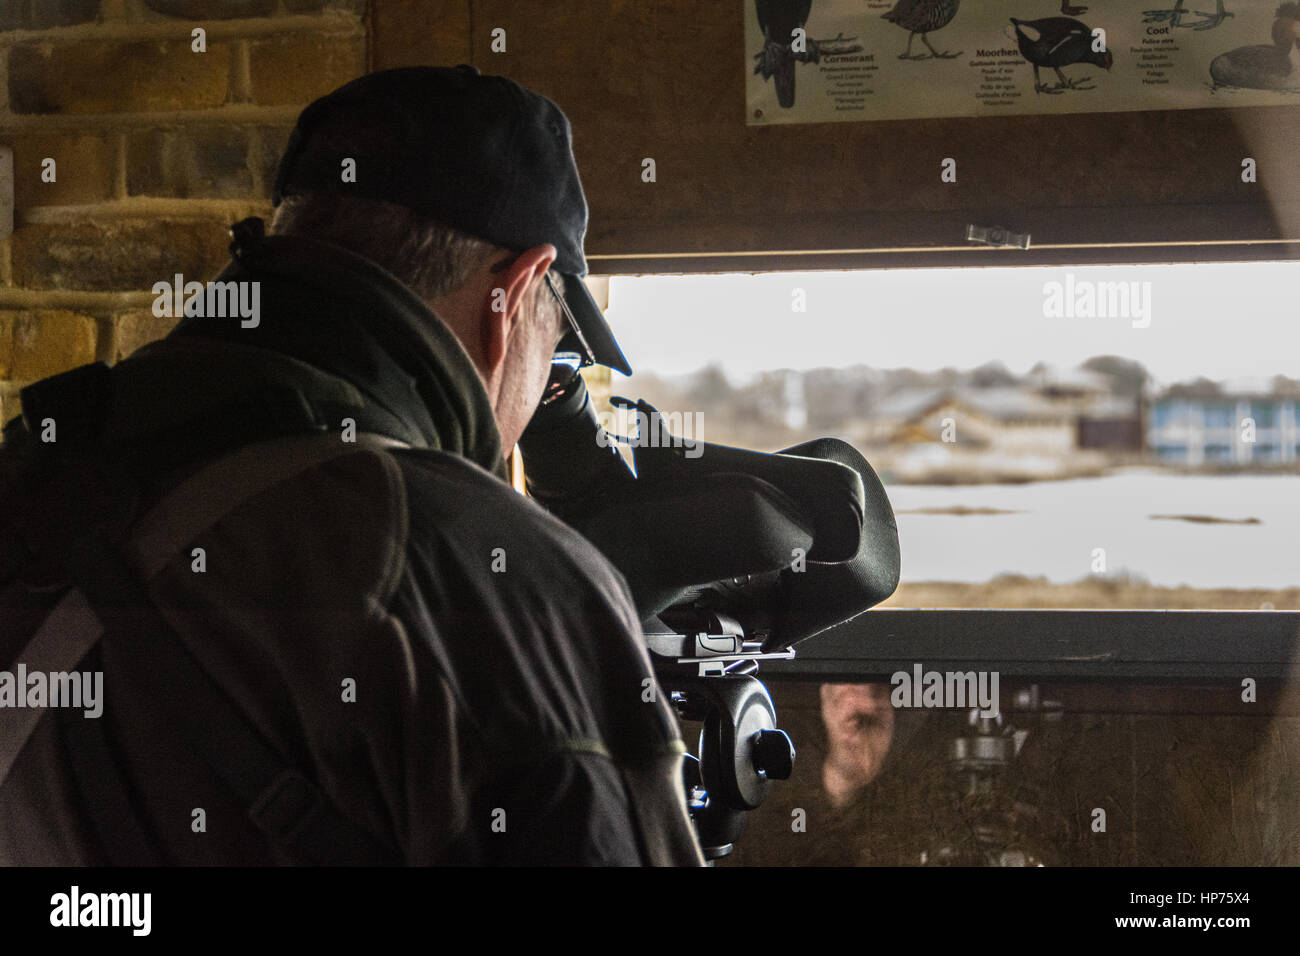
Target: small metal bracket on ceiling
998,236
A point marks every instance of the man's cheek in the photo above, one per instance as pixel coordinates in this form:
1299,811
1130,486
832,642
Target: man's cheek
537,387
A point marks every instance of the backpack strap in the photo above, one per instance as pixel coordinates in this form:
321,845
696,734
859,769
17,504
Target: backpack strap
109,600
68,633
108,799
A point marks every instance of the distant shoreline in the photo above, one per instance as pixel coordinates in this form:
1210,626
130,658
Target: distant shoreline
960,511
964,511
1099,593
951,477
1204,519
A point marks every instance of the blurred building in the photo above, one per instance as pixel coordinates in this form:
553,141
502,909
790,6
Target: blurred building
1006,419
1202,424
1052,411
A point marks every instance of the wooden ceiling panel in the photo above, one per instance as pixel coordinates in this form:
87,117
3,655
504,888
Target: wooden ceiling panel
664,79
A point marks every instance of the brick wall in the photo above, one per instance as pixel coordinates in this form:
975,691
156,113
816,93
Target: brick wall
157,149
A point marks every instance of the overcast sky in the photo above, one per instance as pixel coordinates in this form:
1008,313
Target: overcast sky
1223,321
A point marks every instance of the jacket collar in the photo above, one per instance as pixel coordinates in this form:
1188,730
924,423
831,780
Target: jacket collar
341,313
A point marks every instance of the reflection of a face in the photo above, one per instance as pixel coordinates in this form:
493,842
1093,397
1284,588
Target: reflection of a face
859,728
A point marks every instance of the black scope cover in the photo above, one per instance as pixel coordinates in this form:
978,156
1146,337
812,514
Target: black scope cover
788,543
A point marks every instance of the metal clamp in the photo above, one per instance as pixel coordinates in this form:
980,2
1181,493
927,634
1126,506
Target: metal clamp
998,236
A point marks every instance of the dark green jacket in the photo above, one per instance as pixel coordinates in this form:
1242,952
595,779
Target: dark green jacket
501,712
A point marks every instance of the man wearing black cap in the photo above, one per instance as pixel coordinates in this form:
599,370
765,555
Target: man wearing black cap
329,630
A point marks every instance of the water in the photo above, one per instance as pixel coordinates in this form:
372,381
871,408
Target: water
1062,522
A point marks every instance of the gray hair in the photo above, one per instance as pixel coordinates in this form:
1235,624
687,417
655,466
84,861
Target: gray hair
432,258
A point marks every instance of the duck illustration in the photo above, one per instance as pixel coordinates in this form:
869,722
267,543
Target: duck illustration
1175,16
1056,42
1274,66
923,16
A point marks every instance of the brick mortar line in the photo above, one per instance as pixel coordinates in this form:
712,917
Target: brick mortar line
119,166
107,338
148,207
245,114
84,302
368,25
240,84
333,22
255,144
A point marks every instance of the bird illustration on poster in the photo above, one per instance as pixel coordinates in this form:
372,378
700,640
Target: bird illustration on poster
1176,14
1056,42
916,59
1271,66
923,17
786,41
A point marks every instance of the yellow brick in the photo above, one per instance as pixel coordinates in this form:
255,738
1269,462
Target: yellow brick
105,77
135,329
11,404
6,343
46,343
83,169
117,254
300,68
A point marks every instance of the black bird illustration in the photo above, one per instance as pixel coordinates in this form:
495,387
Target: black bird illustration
778,20
1175,16
1069,11
1273,66
923,16
1058,42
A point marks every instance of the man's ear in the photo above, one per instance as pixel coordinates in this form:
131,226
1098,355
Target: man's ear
503,308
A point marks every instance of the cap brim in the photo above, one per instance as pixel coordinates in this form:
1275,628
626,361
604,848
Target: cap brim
599,336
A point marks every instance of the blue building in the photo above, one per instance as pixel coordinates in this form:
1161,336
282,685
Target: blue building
1206,428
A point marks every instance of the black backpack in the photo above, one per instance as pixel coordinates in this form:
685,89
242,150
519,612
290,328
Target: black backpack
71,524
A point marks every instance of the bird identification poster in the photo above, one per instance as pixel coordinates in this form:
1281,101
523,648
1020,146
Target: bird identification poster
831,61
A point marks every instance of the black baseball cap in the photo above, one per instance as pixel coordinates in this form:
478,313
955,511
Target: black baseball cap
480,153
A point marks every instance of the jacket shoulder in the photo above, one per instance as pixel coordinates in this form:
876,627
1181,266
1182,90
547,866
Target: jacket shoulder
454,501
536,626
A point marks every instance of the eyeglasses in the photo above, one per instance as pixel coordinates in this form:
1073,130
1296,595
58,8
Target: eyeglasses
586,356
583,358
